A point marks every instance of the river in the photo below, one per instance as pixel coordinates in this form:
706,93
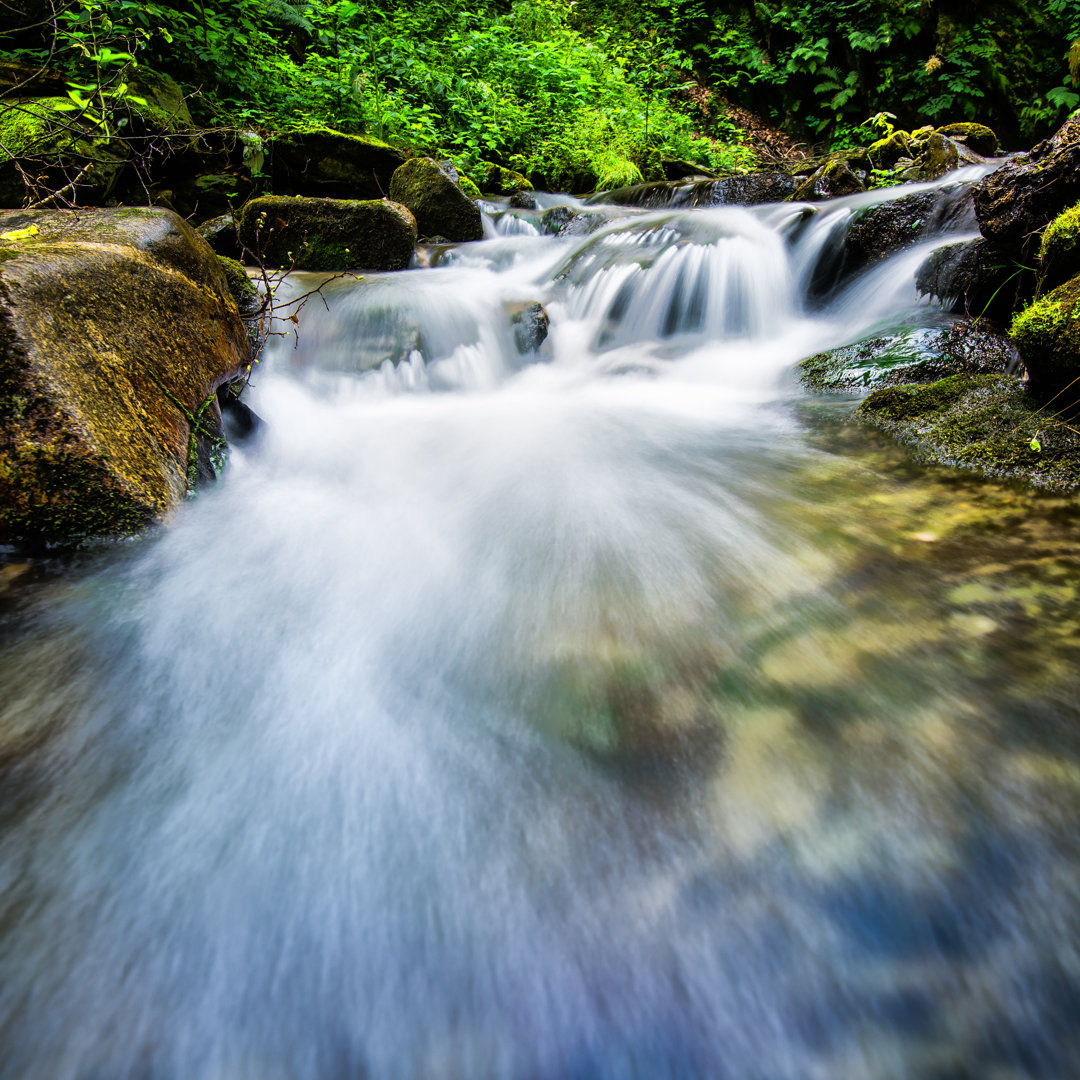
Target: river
614,710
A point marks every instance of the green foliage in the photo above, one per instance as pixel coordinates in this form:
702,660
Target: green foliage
517,84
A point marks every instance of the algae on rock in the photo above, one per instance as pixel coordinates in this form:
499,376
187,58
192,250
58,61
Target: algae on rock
1047,335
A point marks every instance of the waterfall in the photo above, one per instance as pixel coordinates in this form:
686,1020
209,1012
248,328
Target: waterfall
575,708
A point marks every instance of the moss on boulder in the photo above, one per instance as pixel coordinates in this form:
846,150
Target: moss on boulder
328,234
917,355
116,328
324,162
978,137
988,423
1047,335
440,206
241,288
833,179
54,148
1059,251
496,180
469,188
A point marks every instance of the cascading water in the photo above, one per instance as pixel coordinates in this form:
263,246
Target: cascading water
609,710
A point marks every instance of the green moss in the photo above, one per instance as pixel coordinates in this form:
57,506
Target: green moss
1047,335
1059,251
241,287
469,187
979,137
982,422
26,127
499,181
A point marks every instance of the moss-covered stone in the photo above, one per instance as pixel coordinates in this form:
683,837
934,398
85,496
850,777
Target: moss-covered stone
328,234
241,287
54,149
1047,335
1059,251
885,153
917,355
978,137
988,423
835,178
324,162
116,327
440,206
496,180
469,187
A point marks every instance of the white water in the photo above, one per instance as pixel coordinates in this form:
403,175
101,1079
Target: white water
461,732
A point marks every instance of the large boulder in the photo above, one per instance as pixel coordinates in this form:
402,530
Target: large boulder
1047,335
324,162
977,137
327,234
441,208
987,423
496,180
1021,198
116,329
45,149
921,354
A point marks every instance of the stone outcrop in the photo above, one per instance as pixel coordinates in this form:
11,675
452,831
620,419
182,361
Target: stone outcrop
1047,335
440,207
116,329
328,234
324,162
1021,198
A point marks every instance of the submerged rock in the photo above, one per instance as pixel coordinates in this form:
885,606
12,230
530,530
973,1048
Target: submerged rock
988,423
1027,193
324,162
328,234
918,355
530,323
116,329
1047,334
441,208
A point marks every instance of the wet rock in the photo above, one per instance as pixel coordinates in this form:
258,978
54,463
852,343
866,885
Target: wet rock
978,137
530,323
54,150
496,180
1047,335
116,328
677,169
220,233
210,195
936,156
991,424
889,227
751,189
1022,197
917,355
830,181
1059,251
241,288
971,276
242,423
328,234
324,162
439,205
522,200
469,188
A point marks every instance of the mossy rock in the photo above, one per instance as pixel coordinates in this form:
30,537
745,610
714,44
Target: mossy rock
496,180
1024,195
978,137
987,423
935,155
885,153
1059,251
921,354
832,180
241,288
441,208
39,133
469,188
1047,335
328,234
324,162
116,327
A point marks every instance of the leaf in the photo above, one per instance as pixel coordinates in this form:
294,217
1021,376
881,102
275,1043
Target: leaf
1036,445
19,234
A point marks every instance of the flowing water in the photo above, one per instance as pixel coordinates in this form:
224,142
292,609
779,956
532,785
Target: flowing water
611,710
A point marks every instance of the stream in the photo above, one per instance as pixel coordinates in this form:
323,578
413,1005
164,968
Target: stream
613,709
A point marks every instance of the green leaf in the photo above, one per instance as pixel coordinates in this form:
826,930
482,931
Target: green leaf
19,234
1036,445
